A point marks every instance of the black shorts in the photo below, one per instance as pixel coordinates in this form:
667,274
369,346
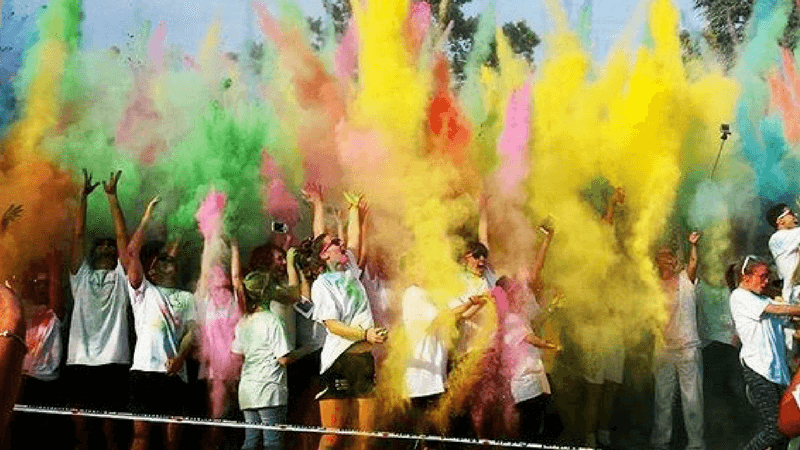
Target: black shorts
156,393
352,375
98,388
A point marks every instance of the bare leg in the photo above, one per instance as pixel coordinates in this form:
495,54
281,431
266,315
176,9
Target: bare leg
366,420
334,414
593,394
81,432
108,432
173,436
141,436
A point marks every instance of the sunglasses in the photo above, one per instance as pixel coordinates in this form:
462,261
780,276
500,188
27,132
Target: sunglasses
335,241
747,260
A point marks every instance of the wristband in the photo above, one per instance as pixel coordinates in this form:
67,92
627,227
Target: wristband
15,337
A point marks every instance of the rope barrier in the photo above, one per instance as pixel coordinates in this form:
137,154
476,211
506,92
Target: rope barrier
284,428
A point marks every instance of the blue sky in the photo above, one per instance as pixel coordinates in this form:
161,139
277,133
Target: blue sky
110,22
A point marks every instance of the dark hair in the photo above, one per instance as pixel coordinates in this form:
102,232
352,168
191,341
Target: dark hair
262,257
775,212
308,260
476,249
730,277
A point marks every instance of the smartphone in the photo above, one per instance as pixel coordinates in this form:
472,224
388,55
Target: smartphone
279,227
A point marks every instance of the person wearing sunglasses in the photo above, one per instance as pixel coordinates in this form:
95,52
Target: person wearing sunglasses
784,244
347,363
759,324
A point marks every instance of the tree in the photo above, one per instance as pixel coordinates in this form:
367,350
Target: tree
522,38
727,21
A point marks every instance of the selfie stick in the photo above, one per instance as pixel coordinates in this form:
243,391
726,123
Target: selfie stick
725,130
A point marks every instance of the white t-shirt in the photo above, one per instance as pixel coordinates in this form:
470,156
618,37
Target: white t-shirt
473,285
98,333
340,296
784,245
763,348
426,369
261,339
529,379
161,316
43,338
681,330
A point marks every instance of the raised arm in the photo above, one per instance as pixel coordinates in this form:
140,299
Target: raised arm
354,202
237,280
131,261
617,199
79,231
691,267
541,254
120,228
12,213
313,195
483,220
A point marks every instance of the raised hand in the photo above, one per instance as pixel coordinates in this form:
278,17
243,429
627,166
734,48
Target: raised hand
353,198
312,193
148,212
619,195
88,186
111,185
694,237
12,213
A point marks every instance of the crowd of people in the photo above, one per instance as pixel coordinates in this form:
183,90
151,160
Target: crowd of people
298,335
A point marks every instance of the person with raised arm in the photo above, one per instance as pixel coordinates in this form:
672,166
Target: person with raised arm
679,365
164,321
98,350
347,364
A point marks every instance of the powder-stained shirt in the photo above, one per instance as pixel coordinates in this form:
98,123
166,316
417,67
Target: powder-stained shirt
529,379
763,347
261,339
98,332
468,327
340,296
161,317
681,329
43,338
426,369
785,248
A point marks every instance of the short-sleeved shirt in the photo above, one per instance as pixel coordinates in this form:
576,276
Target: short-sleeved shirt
529,379
43,338
161,317
763,347
426,369
98,332
340,296
785,248
473,285
681,330
261,339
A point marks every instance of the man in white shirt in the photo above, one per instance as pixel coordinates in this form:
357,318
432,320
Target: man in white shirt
679,363
784,244
759,323
98,350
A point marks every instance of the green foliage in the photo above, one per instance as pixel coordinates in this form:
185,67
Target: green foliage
727,25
